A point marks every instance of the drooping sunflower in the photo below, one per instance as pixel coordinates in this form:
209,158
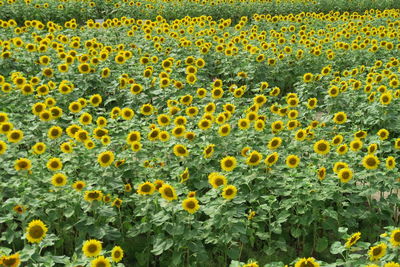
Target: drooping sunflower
352,239
345,175
292,161
321,172
180,150
23,164
254,158
100,261
185,175
36,231
106,158
3,147
208,151
377,252
117,254
146,188
229,192
92,248
395,237
228,163
322,147
10,261
54,164
191,205
309,262
370,162
340,117
168,192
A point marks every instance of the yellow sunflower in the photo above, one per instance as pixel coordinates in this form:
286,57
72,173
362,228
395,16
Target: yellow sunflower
168,192
229,192
59,179
54,164
191,205
105,158
370,162
271,159
309,262
146,188
22,164
36,231
377,252
117,254
10,261
292,161
322,147
395,238
228,163
92,248
100,261
180,150
352,239
254,158
340,118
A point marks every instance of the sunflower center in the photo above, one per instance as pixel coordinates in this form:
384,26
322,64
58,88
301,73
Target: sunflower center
346,175
292,161
23,164
117,254
168,192
254,158
101,264
396,237
322,147
93,195
229,192
59,180
36,231
377,251
15,135
92,248
54,164
229,163
105,158
181,150
9,261
146,188
371,162
340,117
190,205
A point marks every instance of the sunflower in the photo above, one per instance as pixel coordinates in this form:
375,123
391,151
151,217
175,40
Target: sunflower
158,184
356,145
191,205
54,164
19,209
352,240
3,147
127,113
185,175
168,192
340,118
342,149
204,124
300,135
36,231
146,188
395,237
339,165
146,109
39,148
79,185
22,164
95,100
228,163
133,136
54,132
292,161
277,126
59,179
383,134
91,248
254,158
309,262
10,261
271,159
208,151
180,150
224,130
179,131
345,175
385,98
136,89
321,172
390,162
312,103
216,180
15,136
229,192
322,147
397,143
370,162
117,254
100,261
308,77
337,140
117,203
372,148
92,195
106,158
163,120
377,252
244,124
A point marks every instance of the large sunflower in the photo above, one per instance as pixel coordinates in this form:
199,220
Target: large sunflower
10,261
106,158
36,231
146,188
191,205
228,163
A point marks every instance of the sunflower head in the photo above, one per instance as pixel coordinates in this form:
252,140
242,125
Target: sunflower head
36,231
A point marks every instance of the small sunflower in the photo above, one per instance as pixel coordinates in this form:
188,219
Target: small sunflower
15,136
322,147
117,254
383,134
340,118
79,185
59,179
390,162
54,164
191,205
274,143
92,195
292,161
321,172
345,175
208,151
36,231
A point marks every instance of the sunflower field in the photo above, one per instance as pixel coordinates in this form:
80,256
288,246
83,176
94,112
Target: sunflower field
200,133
